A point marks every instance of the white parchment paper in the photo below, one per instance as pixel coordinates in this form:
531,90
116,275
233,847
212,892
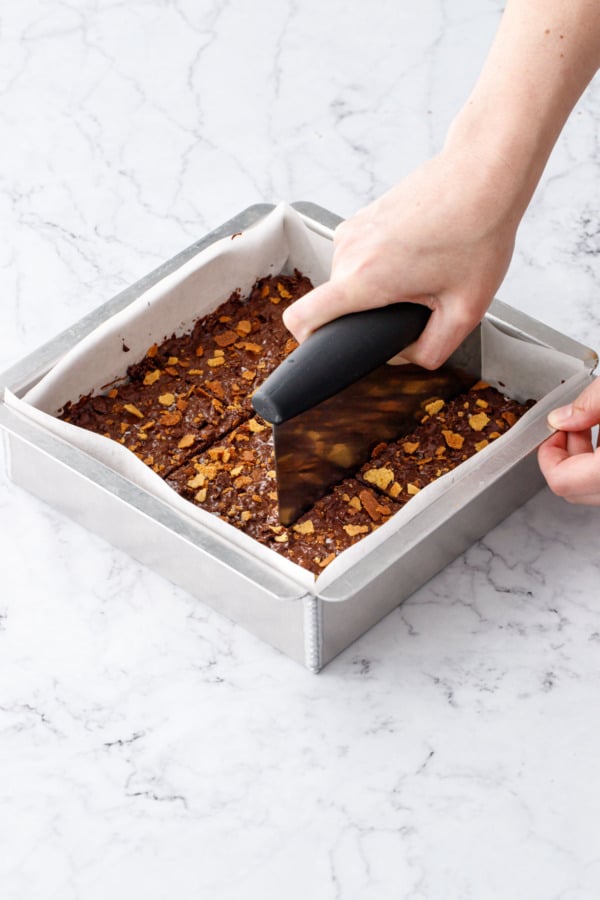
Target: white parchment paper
280,242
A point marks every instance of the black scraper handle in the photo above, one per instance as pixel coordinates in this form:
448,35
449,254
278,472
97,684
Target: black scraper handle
337,355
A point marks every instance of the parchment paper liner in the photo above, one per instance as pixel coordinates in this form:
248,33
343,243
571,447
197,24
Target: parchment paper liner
280,242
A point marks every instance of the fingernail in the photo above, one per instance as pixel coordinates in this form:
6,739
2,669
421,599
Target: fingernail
559,417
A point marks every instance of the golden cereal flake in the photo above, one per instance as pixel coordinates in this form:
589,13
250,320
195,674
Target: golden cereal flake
325,561
130,408
152,377
304,527
355,530
381,478
169,419
410,446
434,407
453,439
226,338
479,421
255,426
243,327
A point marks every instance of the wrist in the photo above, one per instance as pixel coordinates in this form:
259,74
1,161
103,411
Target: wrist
503,154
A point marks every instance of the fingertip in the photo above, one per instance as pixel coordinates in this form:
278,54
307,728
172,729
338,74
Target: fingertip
559,418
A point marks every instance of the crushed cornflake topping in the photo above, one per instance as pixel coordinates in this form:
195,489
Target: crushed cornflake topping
152,377
186,441
166,399
226,338
304,527
244,327
379,477
249,346
215,361
168,419
374,508
412,489
130,408
410,446
453,439
354,530
434,407
206,469
479,421
480,445
325,561
255,426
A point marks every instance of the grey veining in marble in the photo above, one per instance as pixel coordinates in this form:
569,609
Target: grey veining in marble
150,749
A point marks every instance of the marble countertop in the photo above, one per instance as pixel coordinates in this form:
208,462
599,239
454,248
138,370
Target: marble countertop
148,747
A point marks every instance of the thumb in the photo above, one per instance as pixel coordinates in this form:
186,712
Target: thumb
582,413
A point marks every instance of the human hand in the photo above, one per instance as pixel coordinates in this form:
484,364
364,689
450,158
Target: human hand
568,460
444,237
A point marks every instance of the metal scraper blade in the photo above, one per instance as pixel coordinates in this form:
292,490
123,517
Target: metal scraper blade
334,397
333,439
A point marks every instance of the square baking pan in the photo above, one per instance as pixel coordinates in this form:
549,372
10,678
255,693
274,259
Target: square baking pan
309,623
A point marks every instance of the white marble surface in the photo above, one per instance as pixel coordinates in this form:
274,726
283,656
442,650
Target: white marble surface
149,748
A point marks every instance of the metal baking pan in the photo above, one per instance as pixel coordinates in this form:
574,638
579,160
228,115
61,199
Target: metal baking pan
310,625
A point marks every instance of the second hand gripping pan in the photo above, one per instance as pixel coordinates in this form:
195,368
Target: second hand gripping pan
334,398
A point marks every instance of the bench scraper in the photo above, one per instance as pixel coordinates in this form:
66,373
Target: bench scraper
334,398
